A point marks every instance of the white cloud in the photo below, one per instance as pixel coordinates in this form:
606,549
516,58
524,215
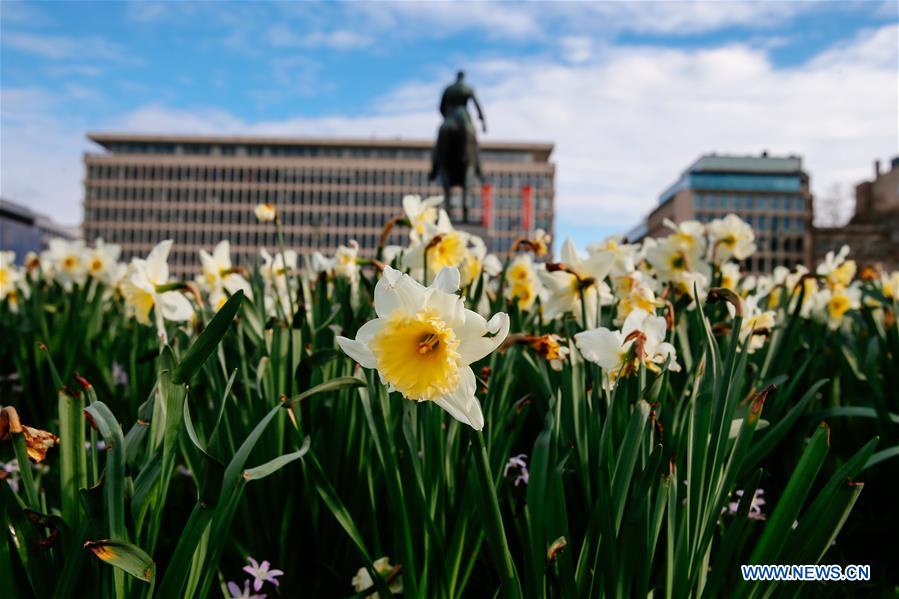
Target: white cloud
283,36
60,47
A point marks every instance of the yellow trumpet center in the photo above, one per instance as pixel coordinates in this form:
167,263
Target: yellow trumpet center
417,354
449,251
837,306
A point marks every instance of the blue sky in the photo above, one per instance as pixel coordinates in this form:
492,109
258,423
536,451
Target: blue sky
630,92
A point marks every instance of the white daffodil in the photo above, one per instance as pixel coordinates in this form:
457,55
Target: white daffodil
276,272
523,285
541,242
421,214
66,260
620,353
623,254
219,274
678,258
10,275
362,580
731,237
346,261
756,325
444,246
582,275
102,262
730,275
634,292
265,213
424,340
832,304
147,288
890,285
473,264
838,271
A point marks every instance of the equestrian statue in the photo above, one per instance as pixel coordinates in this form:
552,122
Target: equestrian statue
456,152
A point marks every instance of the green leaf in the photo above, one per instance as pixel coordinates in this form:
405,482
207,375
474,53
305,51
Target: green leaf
341,382
125,556
778,527
276,464
202,348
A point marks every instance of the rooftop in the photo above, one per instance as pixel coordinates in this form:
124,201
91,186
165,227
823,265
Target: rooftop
762,164
119,142
744,172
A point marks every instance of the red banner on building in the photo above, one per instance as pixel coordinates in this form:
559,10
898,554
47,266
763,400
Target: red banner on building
486,204
527,200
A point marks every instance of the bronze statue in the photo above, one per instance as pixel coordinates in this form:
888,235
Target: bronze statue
456,150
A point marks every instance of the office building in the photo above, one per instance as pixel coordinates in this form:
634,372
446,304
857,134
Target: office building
22,230
198,190
873,232
770,193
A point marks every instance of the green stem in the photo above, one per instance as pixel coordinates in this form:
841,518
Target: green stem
493,522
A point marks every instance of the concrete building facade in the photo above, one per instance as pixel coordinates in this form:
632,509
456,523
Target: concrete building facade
770,193
198,190
22,230
873,232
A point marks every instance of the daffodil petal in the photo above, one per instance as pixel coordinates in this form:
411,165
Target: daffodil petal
357,351
396,290
462,404
447,280
175,306
473,344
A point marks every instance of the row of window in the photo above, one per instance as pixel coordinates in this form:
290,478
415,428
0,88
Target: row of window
309,151
764,222
765,264
788,203
296,175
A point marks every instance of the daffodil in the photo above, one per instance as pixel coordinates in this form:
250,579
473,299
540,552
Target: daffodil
147,288
275,272
578,277
832,304
422,214
10,275
424,340
730,275
836,269
523,285
362,580
66,260
678,258
641,341
541,242
756,325
623,254
102,262
731,237
890,285
634,292
219,274
265,213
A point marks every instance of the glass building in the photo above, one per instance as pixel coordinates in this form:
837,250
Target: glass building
198,190
770,193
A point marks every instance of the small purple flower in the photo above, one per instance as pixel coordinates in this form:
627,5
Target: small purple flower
755,508
119,375
261,573
236,593
520,464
